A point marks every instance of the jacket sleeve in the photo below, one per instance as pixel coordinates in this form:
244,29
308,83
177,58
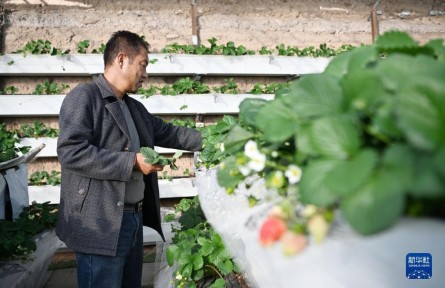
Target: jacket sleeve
170,136
76,150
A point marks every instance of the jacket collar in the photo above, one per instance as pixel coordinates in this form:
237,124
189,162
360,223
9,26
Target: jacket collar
113,105
105,88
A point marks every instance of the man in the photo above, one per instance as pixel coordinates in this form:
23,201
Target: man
107,190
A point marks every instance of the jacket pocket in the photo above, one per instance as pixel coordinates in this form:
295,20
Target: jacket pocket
81,193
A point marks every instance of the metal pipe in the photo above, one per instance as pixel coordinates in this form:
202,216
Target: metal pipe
374,7
374,25
194,24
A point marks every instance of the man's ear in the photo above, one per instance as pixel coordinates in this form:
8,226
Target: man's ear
120,58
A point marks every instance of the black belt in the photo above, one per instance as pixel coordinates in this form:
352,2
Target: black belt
133,207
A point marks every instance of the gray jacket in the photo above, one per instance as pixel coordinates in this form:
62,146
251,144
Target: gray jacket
93,149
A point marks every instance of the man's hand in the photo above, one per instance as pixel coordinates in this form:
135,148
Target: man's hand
146,168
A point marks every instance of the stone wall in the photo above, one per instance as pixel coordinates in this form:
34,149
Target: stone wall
253,23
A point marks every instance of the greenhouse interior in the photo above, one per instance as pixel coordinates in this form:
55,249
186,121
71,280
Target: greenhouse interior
237,144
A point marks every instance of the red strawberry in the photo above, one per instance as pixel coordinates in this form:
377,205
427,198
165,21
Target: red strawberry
271,230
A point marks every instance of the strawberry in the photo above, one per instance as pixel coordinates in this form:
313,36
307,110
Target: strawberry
318,227
293,243
271,230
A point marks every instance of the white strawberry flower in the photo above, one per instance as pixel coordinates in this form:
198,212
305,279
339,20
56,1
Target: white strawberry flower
258,162
245,170
293,174
277,179
251,149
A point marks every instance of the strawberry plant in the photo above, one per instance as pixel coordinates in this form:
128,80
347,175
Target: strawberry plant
265,51
153,157
213,136
365,136
82,46
272,88
229,87
41,47
198,251
16,238
8,141
45,178
10,90
232,50
99,50
37,129
184,123
48,88
311,51
189,86
229,49
147,92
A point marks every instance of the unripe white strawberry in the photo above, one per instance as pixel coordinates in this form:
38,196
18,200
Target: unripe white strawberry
293,243
318,227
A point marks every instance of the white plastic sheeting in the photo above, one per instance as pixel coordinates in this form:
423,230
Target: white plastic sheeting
49,105
31,274
345,259
166,64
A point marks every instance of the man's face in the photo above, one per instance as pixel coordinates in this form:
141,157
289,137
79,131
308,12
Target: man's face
135,71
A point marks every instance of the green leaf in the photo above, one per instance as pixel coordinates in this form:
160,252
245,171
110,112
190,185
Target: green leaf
398,160
193,217
229,176
226,267
421,111
249,109
304,145
219,283
428,181
362,90
395,40
348,175
187,270
312,96
375,206
236,138
384,122
198,275
171,252
277,121
177,154
313,185
335,137
198,262
439,161
185,257
379,202
358,59
206,246
439,49
399,70
149,153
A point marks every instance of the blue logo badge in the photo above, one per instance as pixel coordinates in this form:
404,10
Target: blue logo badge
419,266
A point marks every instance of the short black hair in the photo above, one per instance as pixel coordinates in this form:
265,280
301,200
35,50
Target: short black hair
123,41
